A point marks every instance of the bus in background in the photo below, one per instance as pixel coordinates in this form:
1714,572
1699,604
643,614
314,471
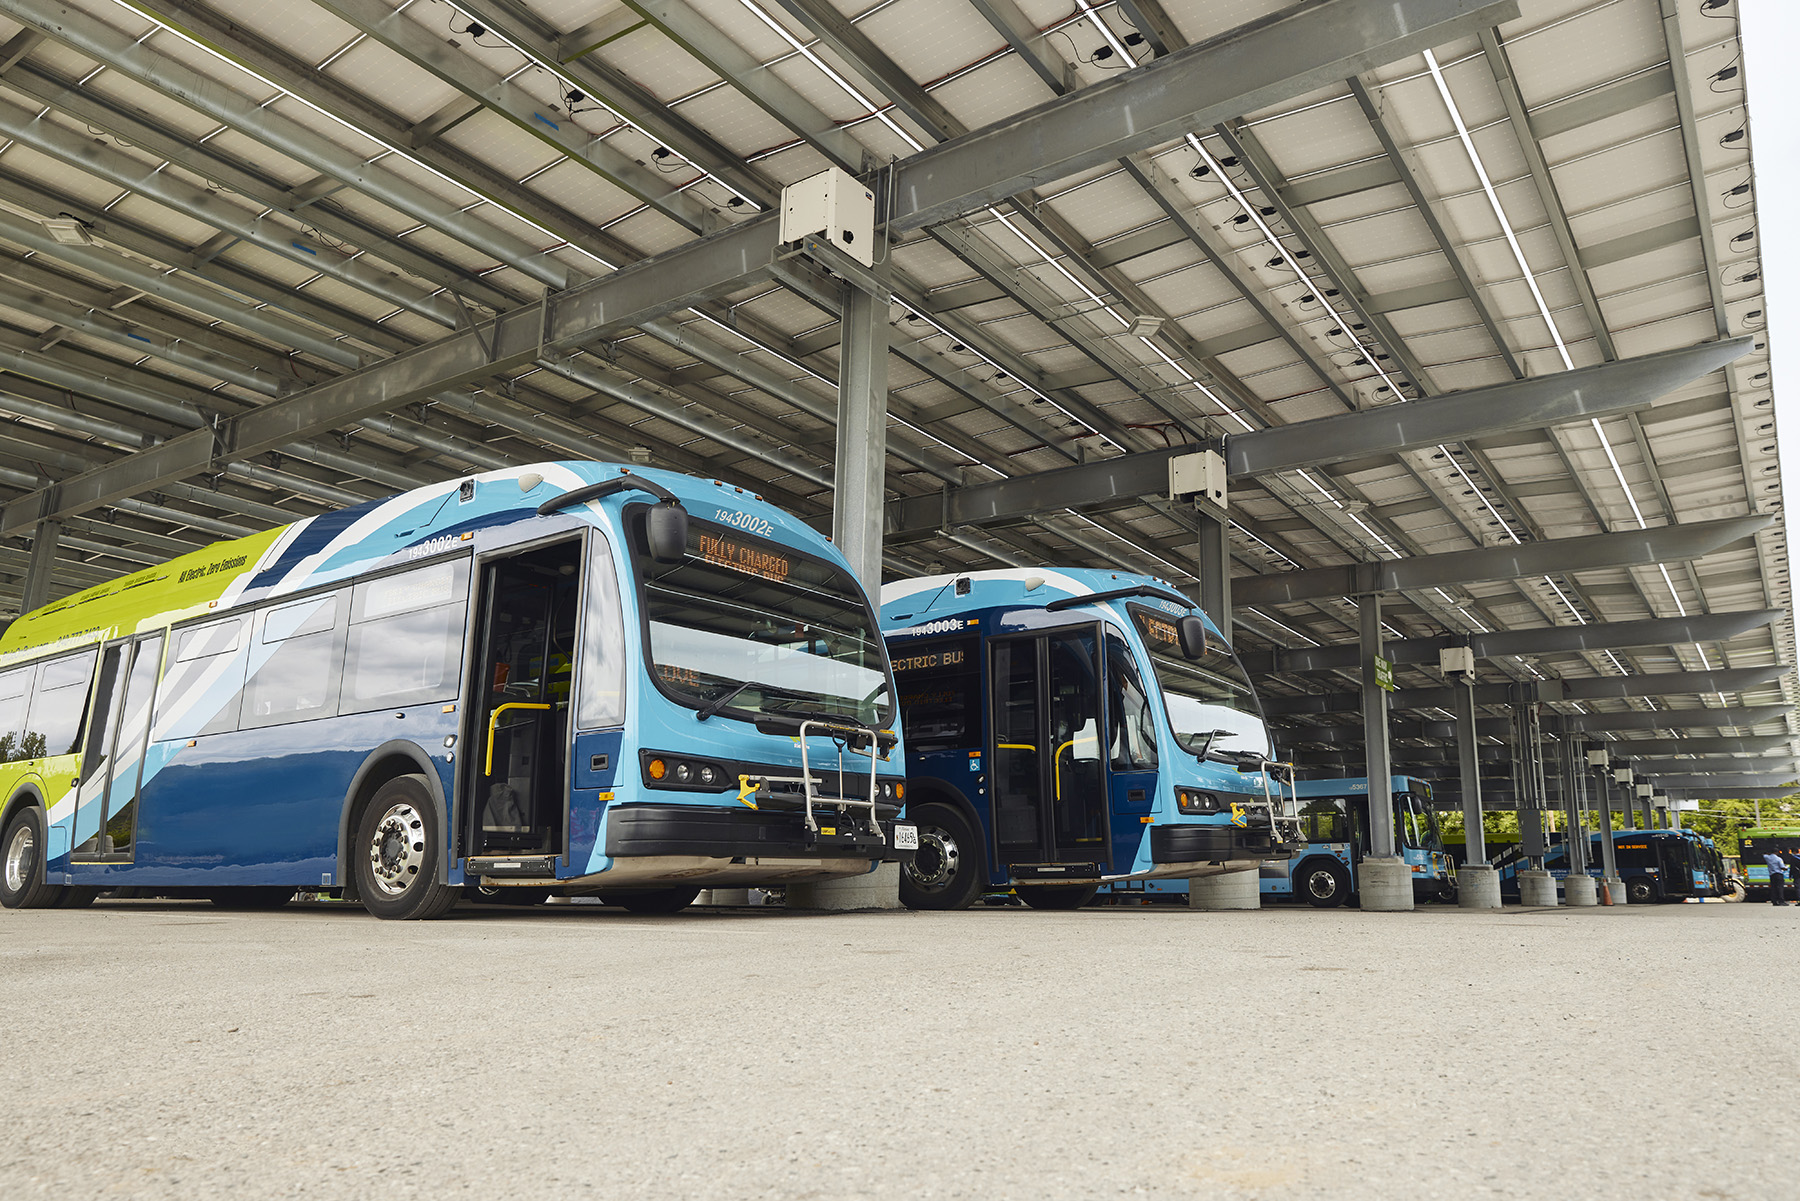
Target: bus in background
1070,728
1656,865
1753,845
570,677
1334,827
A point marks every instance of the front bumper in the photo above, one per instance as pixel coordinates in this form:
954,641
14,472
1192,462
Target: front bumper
739,832
1195,843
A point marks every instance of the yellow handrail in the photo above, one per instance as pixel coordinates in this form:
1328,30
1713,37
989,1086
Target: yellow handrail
494,720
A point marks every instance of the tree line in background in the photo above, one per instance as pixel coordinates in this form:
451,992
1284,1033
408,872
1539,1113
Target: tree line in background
1722,821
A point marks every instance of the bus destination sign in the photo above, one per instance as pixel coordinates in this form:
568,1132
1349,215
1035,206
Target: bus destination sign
742,556
1160,634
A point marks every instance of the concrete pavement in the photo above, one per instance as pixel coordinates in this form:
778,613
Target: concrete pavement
168,1049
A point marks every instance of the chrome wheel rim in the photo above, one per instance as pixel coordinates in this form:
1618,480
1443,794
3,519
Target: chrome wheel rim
18,858
1321,883
397,849
937,860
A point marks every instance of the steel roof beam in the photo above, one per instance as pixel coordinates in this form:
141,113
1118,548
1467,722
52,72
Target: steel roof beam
1550,640
1632,548
1667,683
1241,71
1720,769
128,125
1532,403
146,64
427,50
1720,781
1723,718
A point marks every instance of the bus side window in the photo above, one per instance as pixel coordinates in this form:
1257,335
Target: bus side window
58,704
601,680
406,638
13,687
296,658
203,687
1132,728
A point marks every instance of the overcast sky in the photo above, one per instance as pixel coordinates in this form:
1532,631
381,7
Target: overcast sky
1771,35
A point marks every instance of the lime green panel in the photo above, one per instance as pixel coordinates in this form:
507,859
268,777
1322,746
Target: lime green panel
143,600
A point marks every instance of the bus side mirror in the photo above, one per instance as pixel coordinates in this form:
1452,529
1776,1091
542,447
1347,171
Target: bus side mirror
1193,636
666,532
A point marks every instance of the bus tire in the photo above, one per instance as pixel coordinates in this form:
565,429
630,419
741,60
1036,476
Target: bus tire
396,852
22,883
1640,890
1322,883
946,871
656,900
248,899
1056,896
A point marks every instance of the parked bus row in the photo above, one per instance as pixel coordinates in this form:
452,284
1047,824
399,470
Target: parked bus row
1655,865
580,678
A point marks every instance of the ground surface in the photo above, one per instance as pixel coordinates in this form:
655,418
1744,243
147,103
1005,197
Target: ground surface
165,1049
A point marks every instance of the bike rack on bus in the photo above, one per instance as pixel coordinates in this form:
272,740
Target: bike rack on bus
844,735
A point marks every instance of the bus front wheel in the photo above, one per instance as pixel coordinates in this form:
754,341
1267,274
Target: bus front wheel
1640,890
22,884
946,870
1056,896
396,854
1323,884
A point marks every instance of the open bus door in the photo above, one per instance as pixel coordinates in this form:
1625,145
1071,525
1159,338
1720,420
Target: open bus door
515,776
1050,774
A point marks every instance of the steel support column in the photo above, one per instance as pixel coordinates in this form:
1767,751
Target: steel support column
1473,832
1214,548
42,566
857,496
1609,857
1377,765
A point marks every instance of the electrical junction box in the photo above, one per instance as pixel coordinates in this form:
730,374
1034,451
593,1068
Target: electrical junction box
1457,660
1199,475
835,205
1598,758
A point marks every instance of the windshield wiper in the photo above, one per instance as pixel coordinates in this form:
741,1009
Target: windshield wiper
718,703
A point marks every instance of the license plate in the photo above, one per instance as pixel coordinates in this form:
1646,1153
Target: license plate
906,838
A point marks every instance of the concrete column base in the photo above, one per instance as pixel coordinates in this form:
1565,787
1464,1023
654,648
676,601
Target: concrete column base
1385,885
1616,888
725,896
879,889
1478,887
1580,891
1537,890
1228,890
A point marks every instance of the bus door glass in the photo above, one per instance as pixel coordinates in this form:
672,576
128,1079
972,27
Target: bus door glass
119,721
1677,866
1049,775
517,770
1130,733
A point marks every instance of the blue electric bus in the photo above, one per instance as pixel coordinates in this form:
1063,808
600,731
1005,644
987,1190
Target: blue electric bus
1334,827
576,678
1333,839
1070,728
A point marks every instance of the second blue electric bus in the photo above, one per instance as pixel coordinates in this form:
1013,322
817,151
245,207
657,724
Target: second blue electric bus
1066,728
1334,826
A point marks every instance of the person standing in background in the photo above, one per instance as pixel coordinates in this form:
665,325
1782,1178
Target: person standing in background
1777,878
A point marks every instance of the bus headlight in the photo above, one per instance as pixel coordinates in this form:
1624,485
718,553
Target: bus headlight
1192,801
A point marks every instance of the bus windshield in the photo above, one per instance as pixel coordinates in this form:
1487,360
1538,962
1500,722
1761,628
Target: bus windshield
749,627
1211,704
